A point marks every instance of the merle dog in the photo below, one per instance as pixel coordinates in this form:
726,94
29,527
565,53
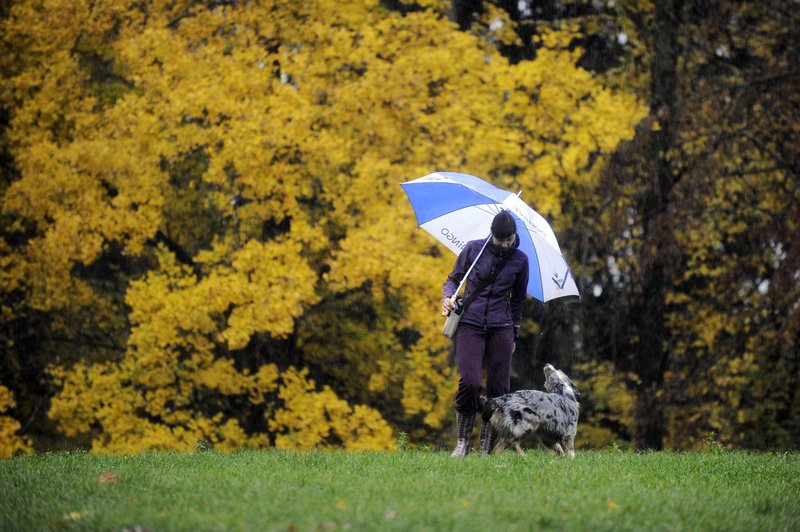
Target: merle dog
552,415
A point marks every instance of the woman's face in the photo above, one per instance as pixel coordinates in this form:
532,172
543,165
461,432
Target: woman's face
504,243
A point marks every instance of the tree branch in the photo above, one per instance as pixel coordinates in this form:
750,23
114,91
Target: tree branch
739,86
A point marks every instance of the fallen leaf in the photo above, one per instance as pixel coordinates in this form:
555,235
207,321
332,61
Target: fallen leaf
76,516
389,515
109,477
613,505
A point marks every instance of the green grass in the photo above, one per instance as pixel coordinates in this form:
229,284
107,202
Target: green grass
409,490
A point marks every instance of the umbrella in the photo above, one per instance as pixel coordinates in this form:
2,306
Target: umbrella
456,208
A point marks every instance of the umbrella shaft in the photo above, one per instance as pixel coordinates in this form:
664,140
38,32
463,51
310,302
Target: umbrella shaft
464,280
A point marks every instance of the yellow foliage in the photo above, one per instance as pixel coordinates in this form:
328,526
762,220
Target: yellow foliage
312,419
102,395
245,162
11,442
612,401
556,38
498,26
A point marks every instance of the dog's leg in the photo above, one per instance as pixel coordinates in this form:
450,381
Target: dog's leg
518,448
551,444
569,446
500,445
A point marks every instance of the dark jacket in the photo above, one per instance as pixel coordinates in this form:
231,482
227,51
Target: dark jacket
500,303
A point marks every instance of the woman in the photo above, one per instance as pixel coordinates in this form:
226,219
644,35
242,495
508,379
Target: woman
489,326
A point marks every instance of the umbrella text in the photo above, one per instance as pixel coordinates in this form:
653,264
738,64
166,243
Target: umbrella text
453,238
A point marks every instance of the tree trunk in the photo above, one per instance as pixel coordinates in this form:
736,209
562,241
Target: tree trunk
462,12
652,356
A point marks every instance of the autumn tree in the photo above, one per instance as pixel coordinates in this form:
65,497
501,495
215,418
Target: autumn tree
733,308
684,236
704,202
206,238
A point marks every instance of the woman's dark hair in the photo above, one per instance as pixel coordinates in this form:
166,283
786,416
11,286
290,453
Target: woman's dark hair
503,225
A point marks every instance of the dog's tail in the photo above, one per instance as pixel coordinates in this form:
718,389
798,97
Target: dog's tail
488,406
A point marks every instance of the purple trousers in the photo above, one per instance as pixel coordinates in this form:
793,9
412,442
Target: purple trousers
474,345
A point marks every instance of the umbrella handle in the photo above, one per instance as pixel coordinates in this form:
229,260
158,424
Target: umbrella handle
446,313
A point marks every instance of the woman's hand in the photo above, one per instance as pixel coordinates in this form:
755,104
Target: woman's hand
448,305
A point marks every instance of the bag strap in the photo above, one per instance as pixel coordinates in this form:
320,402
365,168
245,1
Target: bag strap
483,284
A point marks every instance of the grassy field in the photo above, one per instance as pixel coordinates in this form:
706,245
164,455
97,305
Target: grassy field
409,490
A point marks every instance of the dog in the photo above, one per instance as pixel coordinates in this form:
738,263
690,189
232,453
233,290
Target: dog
552,415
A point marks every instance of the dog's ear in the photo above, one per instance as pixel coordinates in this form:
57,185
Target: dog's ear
574,388
562,381
569,382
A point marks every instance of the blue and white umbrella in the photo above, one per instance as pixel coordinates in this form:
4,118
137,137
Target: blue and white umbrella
456,208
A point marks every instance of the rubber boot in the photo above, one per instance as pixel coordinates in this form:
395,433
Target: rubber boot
488,438
463,434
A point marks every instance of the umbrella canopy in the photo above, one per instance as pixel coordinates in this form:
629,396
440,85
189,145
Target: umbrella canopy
456,208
